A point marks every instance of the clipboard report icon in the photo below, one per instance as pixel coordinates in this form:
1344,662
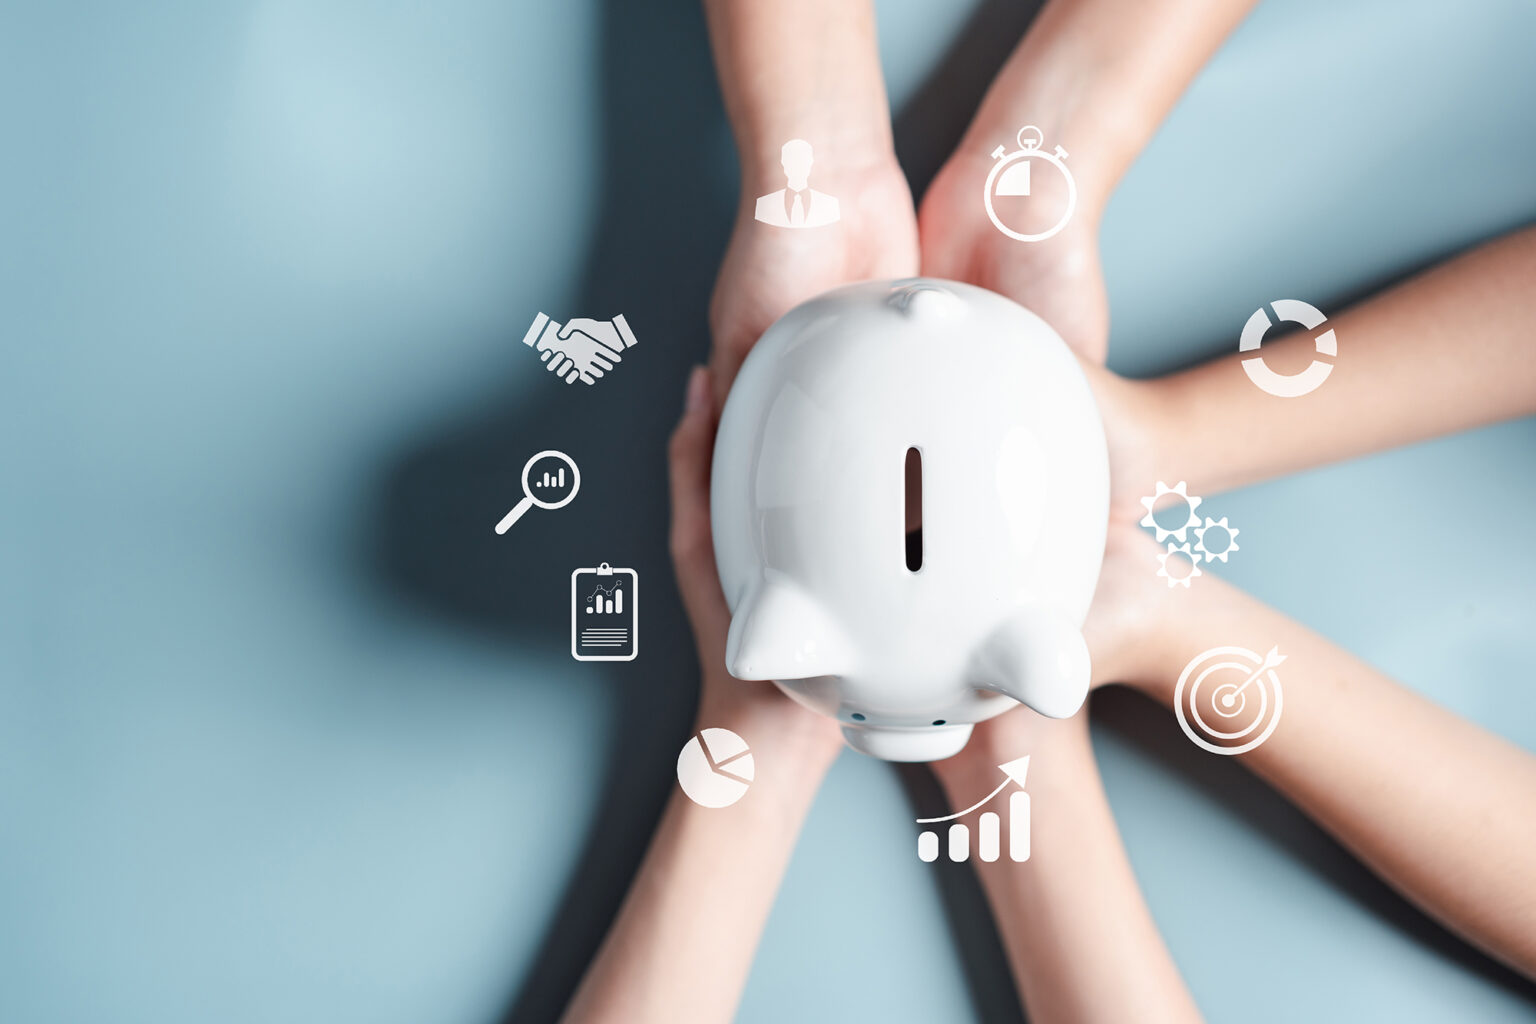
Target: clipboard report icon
605,614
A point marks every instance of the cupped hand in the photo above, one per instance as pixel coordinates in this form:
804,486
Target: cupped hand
756,709
1059,278
769,270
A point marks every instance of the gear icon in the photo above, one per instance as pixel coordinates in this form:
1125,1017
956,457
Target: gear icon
1178,581
1151,503
1231,544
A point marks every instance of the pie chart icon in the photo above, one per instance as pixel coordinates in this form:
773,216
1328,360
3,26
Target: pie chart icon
715,768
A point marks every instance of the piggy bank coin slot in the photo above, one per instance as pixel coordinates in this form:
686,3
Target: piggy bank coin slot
913,471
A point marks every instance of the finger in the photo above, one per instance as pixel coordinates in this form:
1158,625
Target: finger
723,364
572,378
544,356
601,363
693,553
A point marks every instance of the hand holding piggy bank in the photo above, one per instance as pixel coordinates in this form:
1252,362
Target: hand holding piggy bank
844,405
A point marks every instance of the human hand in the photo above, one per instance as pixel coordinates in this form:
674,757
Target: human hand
582,349
1130,606
1077,905
769,270
1059,278
1096,78
1059,745
755,709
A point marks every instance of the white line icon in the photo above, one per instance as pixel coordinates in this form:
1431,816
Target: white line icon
1011,178
1180,490
715,768
1225,532
988,826
1189,565
1241,678
545,474
605,614
1283,385
582,349
797,205
1178,551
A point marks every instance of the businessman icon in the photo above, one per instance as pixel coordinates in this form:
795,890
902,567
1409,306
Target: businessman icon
581,349
797,205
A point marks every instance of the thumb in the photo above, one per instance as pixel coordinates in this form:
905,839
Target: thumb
693,553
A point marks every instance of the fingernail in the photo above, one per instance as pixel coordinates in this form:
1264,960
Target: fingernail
697,398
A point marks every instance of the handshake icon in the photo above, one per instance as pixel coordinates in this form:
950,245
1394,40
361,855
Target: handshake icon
584,349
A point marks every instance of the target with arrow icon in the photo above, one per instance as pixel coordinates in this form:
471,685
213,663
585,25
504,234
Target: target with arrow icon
1228,699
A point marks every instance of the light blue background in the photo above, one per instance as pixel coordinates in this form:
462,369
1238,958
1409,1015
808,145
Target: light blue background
287,735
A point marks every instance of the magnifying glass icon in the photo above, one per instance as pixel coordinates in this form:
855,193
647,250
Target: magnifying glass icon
550,480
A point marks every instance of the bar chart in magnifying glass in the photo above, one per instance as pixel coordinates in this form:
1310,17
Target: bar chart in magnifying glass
989,824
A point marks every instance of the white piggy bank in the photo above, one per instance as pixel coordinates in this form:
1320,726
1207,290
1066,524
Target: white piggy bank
909,641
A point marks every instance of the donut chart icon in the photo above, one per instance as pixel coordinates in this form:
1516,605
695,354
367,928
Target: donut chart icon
1242,699
1283,385
715,768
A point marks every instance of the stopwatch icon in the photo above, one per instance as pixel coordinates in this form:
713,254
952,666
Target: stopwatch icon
1011,177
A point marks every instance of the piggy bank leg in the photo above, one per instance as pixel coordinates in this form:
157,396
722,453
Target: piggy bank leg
1039,658
780,632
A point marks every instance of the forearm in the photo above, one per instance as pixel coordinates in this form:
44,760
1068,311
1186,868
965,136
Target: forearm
1445,351
801,69
1098,77
703,895
1437,806
1080,939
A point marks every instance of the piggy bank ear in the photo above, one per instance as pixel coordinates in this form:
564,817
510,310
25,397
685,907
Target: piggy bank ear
780,632
1038,658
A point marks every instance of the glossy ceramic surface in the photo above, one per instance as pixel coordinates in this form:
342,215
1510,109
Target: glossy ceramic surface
809,508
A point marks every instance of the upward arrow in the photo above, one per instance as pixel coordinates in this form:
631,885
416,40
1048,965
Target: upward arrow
1016,769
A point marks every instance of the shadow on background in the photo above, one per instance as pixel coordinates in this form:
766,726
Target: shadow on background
660,232
661,228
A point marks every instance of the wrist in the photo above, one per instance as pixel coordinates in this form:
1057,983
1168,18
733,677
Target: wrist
1171,415
1096,152
1163,651
800,69
792,748
847,162
1060,751
1162,422
1070,91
